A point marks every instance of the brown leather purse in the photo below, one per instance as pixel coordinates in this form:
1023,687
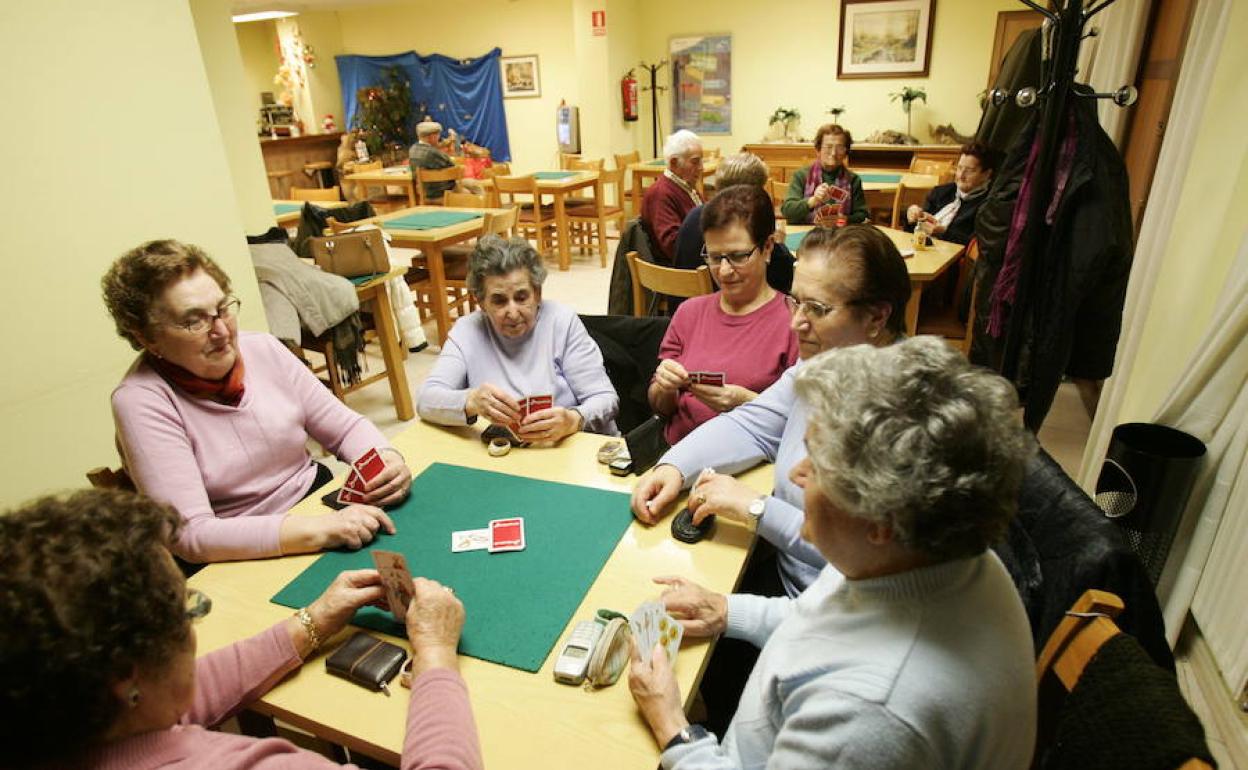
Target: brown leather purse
367,661
351,254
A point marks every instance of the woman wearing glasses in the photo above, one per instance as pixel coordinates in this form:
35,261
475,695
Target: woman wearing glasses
828,188
98,651
216,423
742,330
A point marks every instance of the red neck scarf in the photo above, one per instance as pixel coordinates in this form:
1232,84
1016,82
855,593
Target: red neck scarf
227,390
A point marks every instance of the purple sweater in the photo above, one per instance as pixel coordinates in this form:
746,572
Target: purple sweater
234,471
752,351
441,732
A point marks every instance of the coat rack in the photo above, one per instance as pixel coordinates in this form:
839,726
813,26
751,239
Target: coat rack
654,88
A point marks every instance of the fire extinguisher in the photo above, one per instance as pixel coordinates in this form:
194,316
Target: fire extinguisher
628,90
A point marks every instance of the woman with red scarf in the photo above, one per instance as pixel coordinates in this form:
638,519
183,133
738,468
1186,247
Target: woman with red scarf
828,189
216,423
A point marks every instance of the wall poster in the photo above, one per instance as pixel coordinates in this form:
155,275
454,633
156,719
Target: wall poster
702,83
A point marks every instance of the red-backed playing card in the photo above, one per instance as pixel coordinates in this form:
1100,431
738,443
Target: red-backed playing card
397,579
369,465
347,495
507,535
538,403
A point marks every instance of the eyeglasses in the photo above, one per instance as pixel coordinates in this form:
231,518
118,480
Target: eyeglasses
833,147
810,308
735,258
202,322
197,604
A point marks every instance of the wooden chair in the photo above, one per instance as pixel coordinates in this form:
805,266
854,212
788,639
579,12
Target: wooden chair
777,189
594,214
278,181
903,198
361,188
424,176
1068,654
668,281
497,169
461,200
315,193
104,477
533,220
942,169
566,159
455,257
945,322
622,160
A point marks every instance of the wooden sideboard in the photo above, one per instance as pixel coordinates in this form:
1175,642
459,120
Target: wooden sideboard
291,153
782,158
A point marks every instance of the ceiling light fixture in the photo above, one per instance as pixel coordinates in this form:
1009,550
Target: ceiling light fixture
261,16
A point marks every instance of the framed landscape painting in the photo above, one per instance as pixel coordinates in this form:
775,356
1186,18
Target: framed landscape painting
885,38
520,76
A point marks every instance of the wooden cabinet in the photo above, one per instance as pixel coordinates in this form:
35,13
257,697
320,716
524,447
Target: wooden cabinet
289,154
782,158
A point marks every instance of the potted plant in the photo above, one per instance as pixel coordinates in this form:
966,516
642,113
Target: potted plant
789,117
907,96
836,113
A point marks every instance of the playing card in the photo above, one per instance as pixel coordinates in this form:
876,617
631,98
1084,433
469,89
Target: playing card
397,579
470,540
346,496
507,535
538,403
670,633
369,465
839,194
713,378
354,482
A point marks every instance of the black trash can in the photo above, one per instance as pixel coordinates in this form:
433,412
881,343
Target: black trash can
1144,484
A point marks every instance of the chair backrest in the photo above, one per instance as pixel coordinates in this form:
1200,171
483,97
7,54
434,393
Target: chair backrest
586,164
614,179
969,263
426,175
521,191
711,152
903,198
938,168
315,193
500,222
497,169
104,477
622,160
777,190
463,200
566,159
334,226
672,281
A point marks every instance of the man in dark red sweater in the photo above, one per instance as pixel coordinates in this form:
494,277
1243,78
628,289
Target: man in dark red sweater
674,194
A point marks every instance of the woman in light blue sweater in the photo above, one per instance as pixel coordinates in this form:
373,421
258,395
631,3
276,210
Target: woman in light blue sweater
912,649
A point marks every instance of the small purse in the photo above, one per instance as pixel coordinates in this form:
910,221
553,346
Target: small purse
610,654
351,254
367,661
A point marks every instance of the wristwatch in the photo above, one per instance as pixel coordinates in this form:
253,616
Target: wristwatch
687,734
754,513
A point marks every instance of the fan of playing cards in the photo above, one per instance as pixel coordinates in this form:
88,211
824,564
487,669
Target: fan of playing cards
652,625
529,405
707,378
363,471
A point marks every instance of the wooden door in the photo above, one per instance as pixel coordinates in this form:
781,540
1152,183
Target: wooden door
1010,24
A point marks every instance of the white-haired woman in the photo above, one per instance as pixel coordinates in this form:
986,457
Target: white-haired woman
674,194
515,346
915,650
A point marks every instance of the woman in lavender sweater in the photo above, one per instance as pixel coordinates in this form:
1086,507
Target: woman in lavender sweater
216,423
515,346
97,650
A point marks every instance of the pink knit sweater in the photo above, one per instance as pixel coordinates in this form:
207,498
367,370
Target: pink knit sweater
234,471
441,732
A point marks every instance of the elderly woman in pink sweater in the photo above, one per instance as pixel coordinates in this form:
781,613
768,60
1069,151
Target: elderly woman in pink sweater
97,650
216,423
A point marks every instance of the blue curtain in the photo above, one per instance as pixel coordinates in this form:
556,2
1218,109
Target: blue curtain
464,95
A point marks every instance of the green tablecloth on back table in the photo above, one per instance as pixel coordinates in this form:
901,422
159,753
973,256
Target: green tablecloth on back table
428,220
286,208
793,240
883,178
657,162
554,174
516,603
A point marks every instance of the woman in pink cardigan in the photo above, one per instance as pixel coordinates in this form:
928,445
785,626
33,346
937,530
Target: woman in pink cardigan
216,423
97,650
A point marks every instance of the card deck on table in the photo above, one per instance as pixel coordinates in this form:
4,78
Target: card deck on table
397,579
507,535
470,540
707,378
369,465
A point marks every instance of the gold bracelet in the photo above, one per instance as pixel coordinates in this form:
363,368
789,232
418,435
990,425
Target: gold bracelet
306,621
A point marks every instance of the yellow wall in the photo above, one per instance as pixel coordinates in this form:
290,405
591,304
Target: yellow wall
786,56
322,31
1209,224
257,43
129,129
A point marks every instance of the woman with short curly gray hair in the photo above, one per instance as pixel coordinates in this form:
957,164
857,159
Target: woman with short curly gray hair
913,643
516,346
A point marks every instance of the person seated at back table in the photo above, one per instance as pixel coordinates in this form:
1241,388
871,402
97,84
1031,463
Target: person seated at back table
949,211
745,168
668,201
912,649
428,155
814,192
98,650
741,330
216,422
516,345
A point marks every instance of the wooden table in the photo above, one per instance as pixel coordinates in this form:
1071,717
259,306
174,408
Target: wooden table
525,720
652,169
787,157
559,189
398,176
392,352
924,266
292,217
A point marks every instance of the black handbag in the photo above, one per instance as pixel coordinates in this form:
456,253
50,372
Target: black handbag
367,661
647,443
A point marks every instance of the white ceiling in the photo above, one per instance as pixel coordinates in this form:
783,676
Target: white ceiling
251,6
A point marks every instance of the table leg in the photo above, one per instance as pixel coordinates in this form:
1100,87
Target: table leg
411,193
636,194
912,306
388,334
561,231
437,277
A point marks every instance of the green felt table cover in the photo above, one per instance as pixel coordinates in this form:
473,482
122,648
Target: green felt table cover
554,174
885,178
286,208
516,604
428,220
657,162
793,240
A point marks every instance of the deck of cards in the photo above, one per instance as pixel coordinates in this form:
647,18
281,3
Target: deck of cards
707,378
529,405
652,625
397,579
501,536
363,471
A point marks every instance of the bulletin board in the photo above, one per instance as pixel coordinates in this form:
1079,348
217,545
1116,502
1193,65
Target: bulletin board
702,83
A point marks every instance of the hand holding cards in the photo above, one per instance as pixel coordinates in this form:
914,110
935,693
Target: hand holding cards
397,579
363,470
707,378
652,625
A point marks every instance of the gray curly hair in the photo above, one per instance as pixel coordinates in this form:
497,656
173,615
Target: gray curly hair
914,437
682,142
495,255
